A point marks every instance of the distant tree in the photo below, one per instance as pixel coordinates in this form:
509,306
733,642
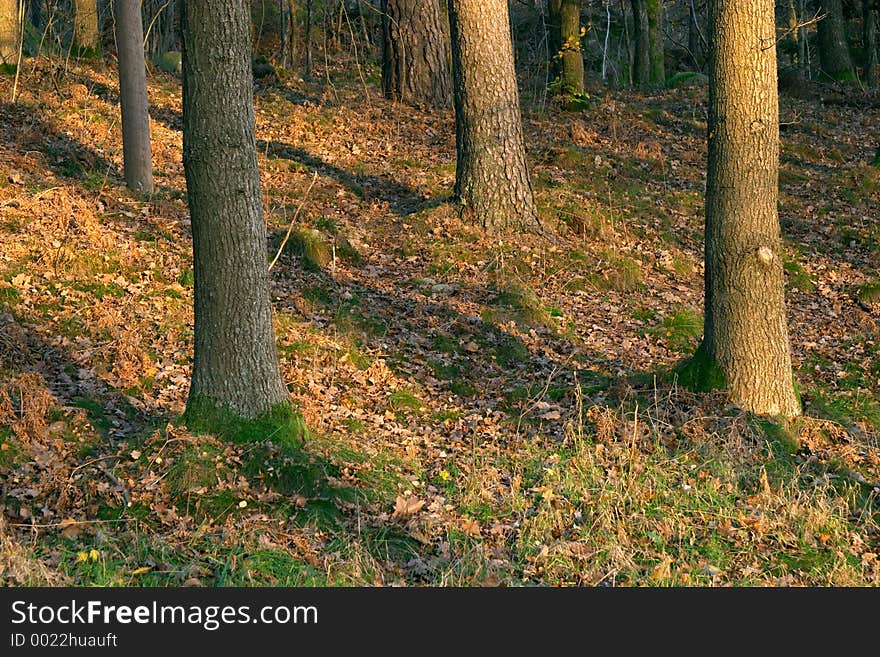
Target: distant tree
10,32
655,38
565,21
834,55
492,184
133,99
869,26
642,42
236,365
745,346
86,34
415,53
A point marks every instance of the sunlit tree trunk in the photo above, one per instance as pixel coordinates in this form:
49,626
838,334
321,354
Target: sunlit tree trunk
86,34
133,99
746,335
492,184
236,363
571,59
10,32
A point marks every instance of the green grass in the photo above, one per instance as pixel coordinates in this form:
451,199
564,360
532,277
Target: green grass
681,330
282,424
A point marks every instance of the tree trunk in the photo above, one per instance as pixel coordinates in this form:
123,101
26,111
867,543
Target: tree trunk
308,40
641,36
86,33
236,363
695,36
492,184
10,32
133,99
833,49
746,335
288,32
415,53
655,31
572,69
869,23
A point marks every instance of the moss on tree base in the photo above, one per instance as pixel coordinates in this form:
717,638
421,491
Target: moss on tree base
700,373
282,424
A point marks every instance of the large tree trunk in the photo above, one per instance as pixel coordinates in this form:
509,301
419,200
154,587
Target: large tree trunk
869,22
10,32
642,45
415,53
86,33
655,31
236,363
833,49
746,335
133,99
571,64
492,183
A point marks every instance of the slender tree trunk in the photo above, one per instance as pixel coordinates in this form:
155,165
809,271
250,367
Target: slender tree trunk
86,34
415,53
554,37
236,363
492,183
869,23
746,335
833,49
572,73
641,36
308,40
288,32
655,31
10,32
133,99
695,42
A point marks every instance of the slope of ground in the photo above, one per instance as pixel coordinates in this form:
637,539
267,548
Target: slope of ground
483,410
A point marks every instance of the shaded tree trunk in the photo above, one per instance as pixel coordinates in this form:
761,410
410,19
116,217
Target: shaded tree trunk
869,26
415,53
570,66
133,99
833,49
746,335
10,32
641,46
492,184
236,363
288,32
86,33
696,45
308,40
655,39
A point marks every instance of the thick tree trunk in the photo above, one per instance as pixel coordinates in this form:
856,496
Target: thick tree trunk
655,31
746,335
642,47
236,363
86,33
572,73
869,23
492,183
133,99
833,49
10,32
415,53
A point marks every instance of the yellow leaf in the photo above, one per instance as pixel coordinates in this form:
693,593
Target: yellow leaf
94,554
82,556
444,475
406,506
141,570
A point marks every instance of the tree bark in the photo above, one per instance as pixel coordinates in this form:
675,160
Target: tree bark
415,53
10,32
572,60
869,25
642,47
695,38
492,184
236,362
655,38
133,99
833,49
86,33
746,334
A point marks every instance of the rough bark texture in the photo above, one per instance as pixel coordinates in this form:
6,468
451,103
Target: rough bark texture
745,324
572,73
133,99
834,54
86,34
415,53
9,32
236,363
641,46
492,183
655,39
871,64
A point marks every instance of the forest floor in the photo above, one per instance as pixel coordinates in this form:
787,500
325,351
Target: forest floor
482,410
